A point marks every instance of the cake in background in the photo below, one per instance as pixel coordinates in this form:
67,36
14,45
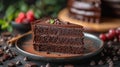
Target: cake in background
93,10
52,35
85,10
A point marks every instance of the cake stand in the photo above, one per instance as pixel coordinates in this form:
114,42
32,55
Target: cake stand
104,25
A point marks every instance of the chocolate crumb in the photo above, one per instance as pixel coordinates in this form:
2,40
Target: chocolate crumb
7,51
11,64
102,54
1,51
118,52
111,64
11,56
109,60
14,54
5,56
109,43
30,64
115,40
25,59
10,45
116,48
100,62
47,65
115,58
92,63
18,63
5,48
105,50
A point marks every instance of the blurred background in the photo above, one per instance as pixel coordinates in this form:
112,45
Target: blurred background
20,13
10,9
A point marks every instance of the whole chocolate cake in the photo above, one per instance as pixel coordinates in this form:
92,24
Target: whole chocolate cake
93,10
52,35
85,10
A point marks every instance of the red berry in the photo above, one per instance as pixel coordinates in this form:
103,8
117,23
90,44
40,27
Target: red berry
18,20
30,18
103,37
112,32
21,15
118,31
30,13
109,36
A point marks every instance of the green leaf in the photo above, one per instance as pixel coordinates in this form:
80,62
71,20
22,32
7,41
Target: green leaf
10,18
4,26
38,3
38,13
9,28
9,13
52,21
2,21
23,6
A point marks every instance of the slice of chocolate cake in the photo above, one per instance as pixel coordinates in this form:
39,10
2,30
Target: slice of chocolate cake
52,35
85,10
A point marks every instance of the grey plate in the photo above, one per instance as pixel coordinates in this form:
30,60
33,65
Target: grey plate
93,45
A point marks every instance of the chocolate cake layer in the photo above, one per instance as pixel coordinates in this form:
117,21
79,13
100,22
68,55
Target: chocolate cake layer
61,49
58,40
60,31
